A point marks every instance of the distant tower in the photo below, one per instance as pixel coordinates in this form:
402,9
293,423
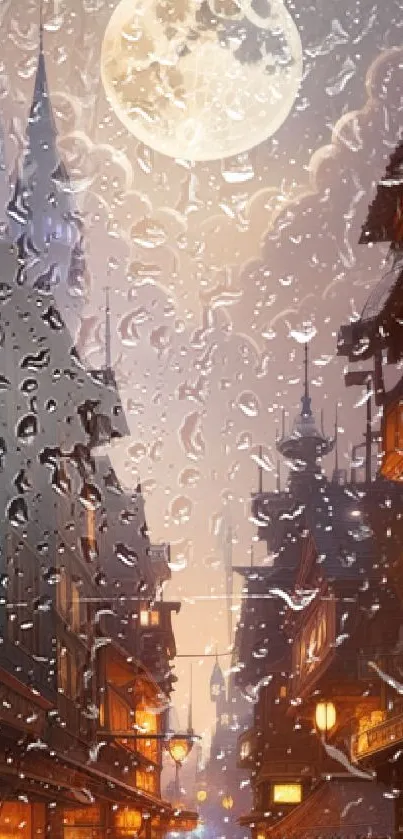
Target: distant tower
217,687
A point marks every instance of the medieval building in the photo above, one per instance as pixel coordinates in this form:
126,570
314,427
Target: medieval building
87,641
309,647
373,346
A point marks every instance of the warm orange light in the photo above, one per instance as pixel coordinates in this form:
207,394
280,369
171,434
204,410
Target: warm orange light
287,794
325,716
227,802
179,748
201,795
128,821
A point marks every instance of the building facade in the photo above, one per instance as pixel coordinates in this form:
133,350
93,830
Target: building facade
310,646
373,348
87,643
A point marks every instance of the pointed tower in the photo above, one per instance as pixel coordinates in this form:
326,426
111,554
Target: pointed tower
41,203
306,444
217,684
41,215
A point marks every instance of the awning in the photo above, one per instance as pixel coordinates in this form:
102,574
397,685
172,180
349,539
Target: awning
339,808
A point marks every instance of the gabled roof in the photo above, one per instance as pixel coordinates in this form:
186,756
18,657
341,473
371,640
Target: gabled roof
385,216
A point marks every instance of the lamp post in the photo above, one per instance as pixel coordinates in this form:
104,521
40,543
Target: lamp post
179,747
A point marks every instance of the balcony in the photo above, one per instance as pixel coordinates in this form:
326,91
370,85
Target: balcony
377,737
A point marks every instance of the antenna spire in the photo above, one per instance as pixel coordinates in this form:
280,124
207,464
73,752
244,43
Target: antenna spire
108,354
306,399
41,27
190,709
336,439
278,477
260,487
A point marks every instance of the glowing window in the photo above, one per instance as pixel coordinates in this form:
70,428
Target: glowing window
155,618
246,749
144,618
146,781
287,794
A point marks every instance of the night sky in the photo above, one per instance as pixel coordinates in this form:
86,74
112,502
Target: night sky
213,281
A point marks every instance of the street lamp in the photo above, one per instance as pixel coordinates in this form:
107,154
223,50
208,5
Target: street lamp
227,802
179,747
325,717
201,796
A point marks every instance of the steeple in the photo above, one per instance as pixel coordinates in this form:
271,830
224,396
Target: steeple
41,206
306,444
41,108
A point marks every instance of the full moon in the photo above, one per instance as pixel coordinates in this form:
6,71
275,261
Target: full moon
201,79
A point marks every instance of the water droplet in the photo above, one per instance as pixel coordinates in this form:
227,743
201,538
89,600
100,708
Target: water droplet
248,404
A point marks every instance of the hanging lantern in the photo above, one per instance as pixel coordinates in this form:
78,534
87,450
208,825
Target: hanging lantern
201,795
227,802
325,716
179,748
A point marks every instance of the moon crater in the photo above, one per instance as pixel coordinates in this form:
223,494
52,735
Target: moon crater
201,80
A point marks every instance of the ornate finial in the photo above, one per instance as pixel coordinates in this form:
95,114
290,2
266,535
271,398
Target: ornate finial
108,354
260,487
306,399
190,709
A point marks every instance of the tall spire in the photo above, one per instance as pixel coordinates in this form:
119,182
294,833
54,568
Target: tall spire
108,352
41,206
41,109
41,26
306,399
336,441
260,486
278,477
